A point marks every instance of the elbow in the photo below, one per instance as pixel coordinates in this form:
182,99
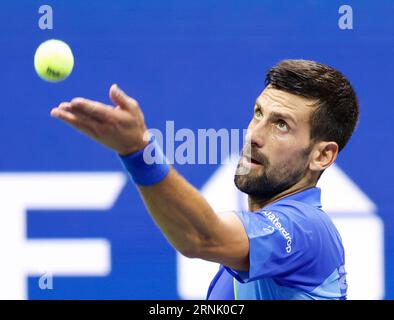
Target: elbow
188,253
193,249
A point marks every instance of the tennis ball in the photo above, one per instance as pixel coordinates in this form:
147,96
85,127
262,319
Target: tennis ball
53,60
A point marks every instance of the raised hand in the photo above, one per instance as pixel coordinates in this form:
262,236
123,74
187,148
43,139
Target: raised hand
120,127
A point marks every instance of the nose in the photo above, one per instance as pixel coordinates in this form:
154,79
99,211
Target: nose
256,135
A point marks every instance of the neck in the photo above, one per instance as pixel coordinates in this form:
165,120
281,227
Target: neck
256,204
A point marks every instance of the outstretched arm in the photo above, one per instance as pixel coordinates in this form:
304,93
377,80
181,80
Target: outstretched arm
182,214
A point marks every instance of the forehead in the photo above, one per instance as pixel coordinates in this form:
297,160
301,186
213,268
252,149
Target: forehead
279,100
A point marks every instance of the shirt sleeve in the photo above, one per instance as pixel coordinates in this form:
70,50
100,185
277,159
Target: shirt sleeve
278,246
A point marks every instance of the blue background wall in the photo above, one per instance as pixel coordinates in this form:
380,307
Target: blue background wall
201,64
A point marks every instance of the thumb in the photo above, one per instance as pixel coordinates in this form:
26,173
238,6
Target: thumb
120,98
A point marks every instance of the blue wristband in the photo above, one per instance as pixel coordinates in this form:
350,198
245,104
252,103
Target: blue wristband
147,166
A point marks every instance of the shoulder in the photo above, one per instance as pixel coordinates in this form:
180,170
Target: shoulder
300,214
309,224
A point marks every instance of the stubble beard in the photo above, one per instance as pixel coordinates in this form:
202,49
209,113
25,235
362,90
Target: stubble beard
267,181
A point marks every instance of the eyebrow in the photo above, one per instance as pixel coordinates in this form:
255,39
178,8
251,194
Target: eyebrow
277,115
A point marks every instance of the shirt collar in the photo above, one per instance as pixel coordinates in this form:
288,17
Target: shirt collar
310,196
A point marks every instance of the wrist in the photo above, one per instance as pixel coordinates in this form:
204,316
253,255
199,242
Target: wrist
135,148
128,151
148,165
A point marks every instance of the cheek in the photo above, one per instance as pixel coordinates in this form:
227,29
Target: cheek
280,144
289,144
284,153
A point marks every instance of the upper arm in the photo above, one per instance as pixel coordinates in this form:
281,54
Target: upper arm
229,244
280,245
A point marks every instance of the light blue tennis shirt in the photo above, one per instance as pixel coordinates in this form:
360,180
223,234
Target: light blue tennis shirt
295,252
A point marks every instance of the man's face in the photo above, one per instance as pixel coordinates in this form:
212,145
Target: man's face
276,154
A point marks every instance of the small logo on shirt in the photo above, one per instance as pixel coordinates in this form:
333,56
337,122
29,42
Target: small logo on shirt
275,221
269,230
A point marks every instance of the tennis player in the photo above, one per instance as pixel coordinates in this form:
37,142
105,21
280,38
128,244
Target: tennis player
285,246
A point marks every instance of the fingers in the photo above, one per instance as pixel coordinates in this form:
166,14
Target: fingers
93,109
121,99
78,121
63,112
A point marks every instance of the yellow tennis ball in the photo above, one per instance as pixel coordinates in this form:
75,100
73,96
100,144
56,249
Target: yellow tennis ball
53,60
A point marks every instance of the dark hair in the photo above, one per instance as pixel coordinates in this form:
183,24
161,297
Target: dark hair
336,113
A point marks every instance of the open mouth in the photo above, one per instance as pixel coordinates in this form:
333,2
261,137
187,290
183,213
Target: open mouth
254,161
250,162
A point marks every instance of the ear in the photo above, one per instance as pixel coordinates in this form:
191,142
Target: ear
323,155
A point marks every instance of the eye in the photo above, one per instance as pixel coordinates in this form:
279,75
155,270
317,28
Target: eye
258,114
282,126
